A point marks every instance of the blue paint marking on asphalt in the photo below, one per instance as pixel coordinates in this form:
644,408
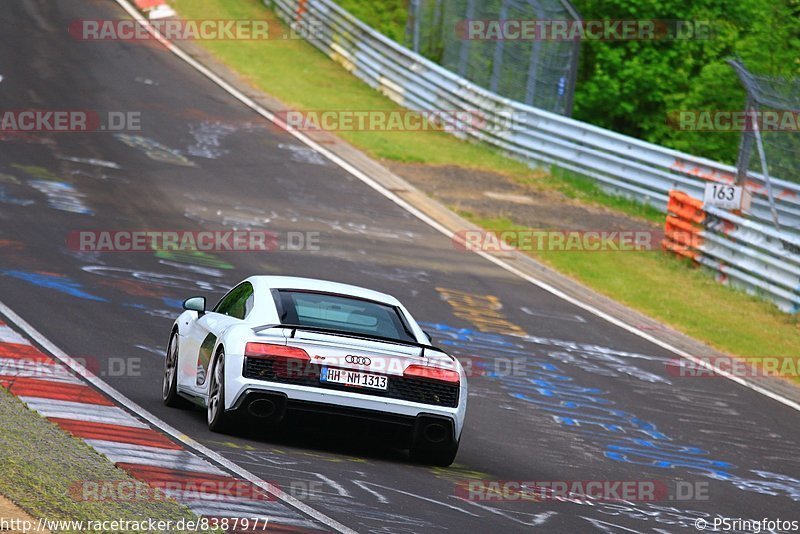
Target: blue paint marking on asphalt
7,198
621,435
172,303
62,284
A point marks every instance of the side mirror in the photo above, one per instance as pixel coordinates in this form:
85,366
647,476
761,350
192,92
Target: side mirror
430,339
197,304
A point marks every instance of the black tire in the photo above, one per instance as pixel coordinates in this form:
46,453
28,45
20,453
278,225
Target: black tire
437,457
218,419
169,386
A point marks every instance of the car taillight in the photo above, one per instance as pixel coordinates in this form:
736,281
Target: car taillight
268,350
432,373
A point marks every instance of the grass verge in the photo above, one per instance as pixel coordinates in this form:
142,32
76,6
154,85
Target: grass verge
660,286
686,299
43,468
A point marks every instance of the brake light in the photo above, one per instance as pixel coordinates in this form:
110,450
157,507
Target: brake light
268,350
432,373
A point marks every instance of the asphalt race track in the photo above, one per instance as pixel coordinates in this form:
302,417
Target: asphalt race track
576,399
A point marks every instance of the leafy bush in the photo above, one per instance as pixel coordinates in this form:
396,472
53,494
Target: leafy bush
387,16
631,86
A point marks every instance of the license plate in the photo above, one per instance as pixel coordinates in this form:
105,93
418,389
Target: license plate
353,378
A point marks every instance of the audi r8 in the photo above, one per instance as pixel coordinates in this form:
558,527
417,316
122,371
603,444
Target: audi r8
275,347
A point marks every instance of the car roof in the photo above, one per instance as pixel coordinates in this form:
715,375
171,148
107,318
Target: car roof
310,284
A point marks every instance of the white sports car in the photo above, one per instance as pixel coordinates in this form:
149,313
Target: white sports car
275,345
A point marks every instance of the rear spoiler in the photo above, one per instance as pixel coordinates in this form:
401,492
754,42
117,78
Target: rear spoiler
344,333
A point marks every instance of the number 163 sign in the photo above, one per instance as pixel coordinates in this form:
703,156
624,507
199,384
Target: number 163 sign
729,197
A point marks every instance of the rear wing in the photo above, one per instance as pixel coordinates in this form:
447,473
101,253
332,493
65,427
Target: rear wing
344,333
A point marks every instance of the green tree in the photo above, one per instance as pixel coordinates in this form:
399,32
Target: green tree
631,87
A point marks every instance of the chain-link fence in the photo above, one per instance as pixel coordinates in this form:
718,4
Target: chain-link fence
771,140
535,71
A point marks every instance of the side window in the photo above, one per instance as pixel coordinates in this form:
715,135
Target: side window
238,303
248,304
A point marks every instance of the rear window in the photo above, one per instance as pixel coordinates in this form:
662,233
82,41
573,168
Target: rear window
338,312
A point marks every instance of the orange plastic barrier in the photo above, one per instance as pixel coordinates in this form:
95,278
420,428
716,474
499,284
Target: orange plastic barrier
302,9
684,224
686,207
144,5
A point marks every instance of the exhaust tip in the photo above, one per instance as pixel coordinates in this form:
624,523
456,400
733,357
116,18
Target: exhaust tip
261,408
435,433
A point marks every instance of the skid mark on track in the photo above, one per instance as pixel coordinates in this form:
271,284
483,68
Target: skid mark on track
208,138
92,161
205,271
303,154
526,519
398,274
350,496
158,279
376,505
22,137
237,217
84,256
547,314
158,351
155,150
241,217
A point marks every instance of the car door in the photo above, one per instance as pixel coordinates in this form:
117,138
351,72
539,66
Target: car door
232,309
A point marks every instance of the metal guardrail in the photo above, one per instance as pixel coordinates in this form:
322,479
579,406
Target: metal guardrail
624,164
750,254
753,256
745,254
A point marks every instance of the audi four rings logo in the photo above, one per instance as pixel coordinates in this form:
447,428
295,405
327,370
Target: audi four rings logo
358,360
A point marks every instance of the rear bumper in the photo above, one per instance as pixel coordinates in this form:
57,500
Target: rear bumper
399,413
427,430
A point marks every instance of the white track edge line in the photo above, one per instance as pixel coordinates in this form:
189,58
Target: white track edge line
431,222
165,427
